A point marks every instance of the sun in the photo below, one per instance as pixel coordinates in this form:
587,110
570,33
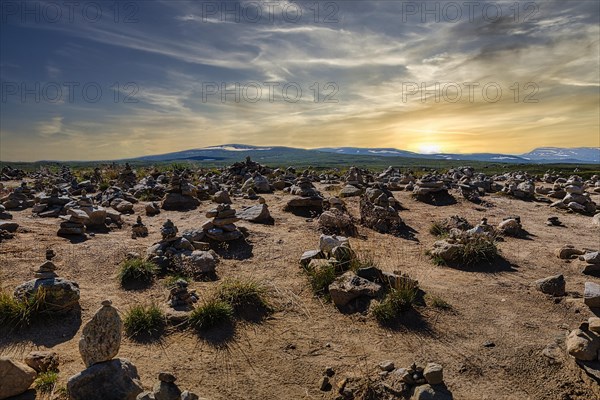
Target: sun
429,148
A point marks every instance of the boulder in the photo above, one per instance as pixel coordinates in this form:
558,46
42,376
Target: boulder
259,214
350,191
116,379
101,336
179,202
428,392
222,197
15,377
591,258
434,373
350,286
202,262
61,295
553,285
445,250
9,226
583,345
591,294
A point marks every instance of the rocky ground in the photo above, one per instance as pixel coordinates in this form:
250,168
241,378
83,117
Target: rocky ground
493,342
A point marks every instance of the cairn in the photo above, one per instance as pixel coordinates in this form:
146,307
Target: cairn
180,195
431,190
139,229
127,177
222,228
180,297
576,198
305,195
377,212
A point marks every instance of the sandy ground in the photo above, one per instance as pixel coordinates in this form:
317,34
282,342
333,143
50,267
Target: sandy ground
284,357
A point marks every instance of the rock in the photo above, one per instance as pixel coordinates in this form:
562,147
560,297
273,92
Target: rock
434,374
179,202
553,285
336,220
386,365
596,220
428,392
327,242
591,294
122,206
445,250
101,336
222,197
350,286
61,295
187,395
116,379
42,361
594,324
350,191
166,391
568,251
15,377
510,227
310,255
324,384
202,262
166,377
259,214
313,203
591,258
583,345
9,226
152,209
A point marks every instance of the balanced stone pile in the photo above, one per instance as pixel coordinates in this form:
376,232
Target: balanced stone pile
432,190
378,213
175,252
50,205
354,183
105,377
117,198
127,177
4,214
7,230
150,188
336,221
257,183
9,173
304,196
222,228
166,389
20,199
180,297
592,260
73,224
60,295
519,185
181,195
576,199
139,229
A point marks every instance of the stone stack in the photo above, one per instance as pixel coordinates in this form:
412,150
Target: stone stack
73,224
139,229
379,215
61,295
105,377
520,186
258,183
181,195
304,196
4,214
127,177
167,389
180,297
222,227
592,260
432,190
576,199
52,205
20,199
511,226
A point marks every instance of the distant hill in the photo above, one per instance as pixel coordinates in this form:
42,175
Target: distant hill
557,154
226,152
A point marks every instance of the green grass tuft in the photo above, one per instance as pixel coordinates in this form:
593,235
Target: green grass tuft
46,381
211,313
240,294
137,271
320,278
16,313
438,302
396,302
144,321
478,248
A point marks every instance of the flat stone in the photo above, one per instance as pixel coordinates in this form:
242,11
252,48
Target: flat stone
553,285
591,294
594,324
591,258
42,361
9,226
583,345
387,365
259,214
350,286
116,379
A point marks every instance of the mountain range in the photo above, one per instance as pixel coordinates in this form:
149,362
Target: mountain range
541,155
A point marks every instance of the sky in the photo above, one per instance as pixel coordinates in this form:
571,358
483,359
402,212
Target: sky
97,80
